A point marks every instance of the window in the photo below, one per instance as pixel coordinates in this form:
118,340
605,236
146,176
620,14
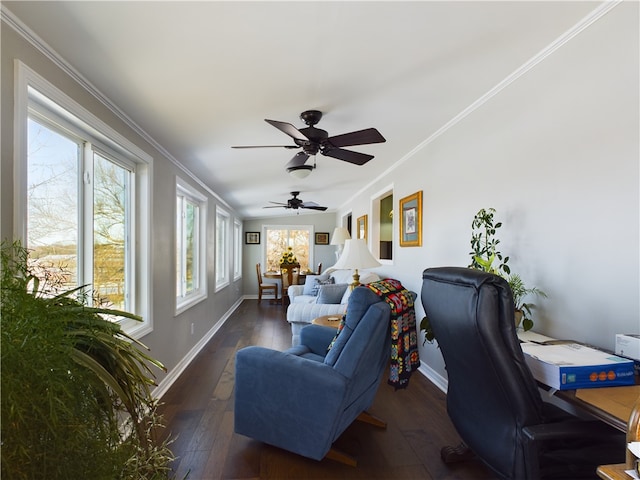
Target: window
81,199
191,217
222,248
279,238
237,249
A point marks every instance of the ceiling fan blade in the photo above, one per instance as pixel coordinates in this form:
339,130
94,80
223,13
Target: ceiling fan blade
297,161
265,146
361,137
356,158
313,207
289,129
276,206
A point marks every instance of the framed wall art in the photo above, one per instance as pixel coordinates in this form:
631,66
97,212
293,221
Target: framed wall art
411,220
322,238
252,238
361,227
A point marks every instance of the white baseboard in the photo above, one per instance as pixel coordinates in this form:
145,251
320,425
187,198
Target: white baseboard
176,371
434,377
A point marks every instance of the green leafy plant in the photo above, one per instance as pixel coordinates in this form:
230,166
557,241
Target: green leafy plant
425,326
484,244
76,400
520,291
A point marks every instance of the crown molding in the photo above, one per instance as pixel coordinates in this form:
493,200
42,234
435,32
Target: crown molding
11,20
546,52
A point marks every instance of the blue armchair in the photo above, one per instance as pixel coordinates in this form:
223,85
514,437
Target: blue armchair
302,399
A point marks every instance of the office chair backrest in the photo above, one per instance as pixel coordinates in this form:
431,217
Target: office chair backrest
491,392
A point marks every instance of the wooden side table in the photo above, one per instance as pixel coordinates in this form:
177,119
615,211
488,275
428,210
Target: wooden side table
328,320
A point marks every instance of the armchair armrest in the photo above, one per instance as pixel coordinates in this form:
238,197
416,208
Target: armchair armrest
295,290
317,338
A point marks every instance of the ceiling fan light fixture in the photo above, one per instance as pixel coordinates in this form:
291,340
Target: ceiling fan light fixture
300,171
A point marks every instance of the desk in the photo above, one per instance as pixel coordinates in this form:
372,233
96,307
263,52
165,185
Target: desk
613,472
612,405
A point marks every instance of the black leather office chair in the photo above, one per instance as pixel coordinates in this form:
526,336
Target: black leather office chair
492,399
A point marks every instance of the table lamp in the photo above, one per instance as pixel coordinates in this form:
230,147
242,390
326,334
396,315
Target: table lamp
340,234
356,255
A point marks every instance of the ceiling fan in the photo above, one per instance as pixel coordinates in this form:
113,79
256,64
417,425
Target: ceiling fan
296,203
314,140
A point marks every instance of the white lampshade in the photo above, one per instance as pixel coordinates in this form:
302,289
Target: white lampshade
356,255
340,234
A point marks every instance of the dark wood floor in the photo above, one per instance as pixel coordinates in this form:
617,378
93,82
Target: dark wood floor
198,410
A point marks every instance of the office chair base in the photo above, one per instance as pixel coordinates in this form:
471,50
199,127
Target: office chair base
458,454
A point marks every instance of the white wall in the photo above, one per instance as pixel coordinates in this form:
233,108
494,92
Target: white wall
556,153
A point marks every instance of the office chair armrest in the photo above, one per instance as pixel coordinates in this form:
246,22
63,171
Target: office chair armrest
567,429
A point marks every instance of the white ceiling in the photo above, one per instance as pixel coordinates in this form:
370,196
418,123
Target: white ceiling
202,76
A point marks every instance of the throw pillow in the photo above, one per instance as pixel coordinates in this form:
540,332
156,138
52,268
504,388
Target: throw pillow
331,293
310,282
317,282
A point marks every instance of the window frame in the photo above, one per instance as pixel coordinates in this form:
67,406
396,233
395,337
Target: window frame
223,221
185,300
237,249
34,95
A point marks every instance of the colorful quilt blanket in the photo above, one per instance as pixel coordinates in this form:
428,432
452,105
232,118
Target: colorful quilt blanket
405,357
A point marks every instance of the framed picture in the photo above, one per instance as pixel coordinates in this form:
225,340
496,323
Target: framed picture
322,238
252,238
361,227
411,220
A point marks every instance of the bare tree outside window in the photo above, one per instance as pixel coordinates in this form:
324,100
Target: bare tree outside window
55,217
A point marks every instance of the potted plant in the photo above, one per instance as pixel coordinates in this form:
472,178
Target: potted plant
484,253
520,291
76,399
484,244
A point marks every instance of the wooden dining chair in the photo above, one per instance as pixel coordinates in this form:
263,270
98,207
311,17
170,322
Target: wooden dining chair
265,287
289,276
319,270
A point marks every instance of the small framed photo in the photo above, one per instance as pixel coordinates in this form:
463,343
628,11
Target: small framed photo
252,238
322,238
411,220
361,228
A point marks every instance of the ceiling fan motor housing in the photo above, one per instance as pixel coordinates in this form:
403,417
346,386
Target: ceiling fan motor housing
311,117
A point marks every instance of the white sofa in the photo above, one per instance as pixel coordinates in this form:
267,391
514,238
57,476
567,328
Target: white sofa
305,307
